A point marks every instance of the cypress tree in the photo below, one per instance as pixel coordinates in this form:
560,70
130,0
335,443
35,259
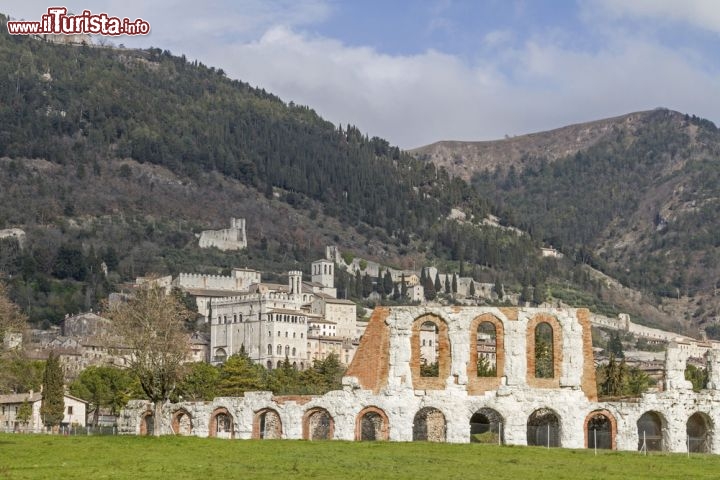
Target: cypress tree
52,409
471,291
454,283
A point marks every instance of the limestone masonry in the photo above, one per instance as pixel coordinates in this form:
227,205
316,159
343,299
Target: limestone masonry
232,238
517,376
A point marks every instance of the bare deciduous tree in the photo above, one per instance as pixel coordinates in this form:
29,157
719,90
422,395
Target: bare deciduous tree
151,325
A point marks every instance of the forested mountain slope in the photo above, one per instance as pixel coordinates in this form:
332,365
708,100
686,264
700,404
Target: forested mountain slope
639,201
120,156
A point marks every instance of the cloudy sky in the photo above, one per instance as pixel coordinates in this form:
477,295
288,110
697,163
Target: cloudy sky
418,71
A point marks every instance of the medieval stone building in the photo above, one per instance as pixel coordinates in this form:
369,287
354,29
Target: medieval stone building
516,376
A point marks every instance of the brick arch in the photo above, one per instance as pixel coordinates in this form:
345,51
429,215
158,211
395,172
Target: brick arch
181,428
267,424
318,424
613,426
479,385
213,425
533,381
146,418
381,433
444,354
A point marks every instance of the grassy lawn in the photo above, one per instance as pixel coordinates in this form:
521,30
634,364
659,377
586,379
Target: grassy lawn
176,458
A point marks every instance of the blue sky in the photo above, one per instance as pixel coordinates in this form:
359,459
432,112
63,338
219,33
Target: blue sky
415,72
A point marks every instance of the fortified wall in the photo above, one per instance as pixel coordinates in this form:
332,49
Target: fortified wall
516,376
233,238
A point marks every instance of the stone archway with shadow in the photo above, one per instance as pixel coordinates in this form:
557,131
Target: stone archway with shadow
429,425
267,425
181,423
700,431
147,423
221,424
318,424
486,426
600,430
651,430
372,424
543,428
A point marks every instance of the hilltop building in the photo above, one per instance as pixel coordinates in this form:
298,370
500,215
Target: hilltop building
232,238
300,321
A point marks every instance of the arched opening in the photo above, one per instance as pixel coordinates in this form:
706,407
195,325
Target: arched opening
650,432
429,335
699,437
220,355
147,424
486,347
429,425
221,424
544,351
318,424
182,423
267,424
430,356
543,428
372,424
269,364
600,430
486,426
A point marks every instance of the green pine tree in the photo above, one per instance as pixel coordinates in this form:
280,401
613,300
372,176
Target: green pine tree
52,409
498,289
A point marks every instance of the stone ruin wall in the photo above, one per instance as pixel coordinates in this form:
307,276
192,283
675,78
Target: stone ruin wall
383,383
233,238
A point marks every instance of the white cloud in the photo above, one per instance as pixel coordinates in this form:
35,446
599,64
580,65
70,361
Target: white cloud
704,14
416,99
509,87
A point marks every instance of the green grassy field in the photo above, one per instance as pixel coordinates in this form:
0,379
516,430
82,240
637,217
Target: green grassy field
176,458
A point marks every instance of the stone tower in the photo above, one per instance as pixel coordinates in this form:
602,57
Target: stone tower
295,282
322,273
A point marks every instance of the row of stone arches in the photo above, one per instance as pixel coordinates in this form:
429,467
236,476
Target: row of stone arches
429,424
431,352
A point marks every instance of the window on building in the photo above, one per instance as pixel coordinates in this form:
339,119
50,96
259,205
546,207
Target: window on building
279,349
544,361
294,334
293,351
287,350
70,410
269,349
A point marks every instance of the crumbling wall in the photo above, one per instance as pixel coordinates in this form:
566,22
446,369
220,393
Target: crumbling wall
389,391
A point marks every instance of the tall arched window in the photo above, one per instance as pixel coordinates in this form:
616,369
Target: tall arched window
279,349
429,335
293,351
287,350
486,350
544,351
269,349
